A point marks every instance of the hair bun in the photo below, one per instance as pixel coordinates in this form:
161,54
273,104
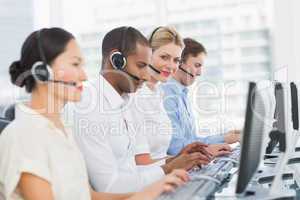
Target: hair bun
15,71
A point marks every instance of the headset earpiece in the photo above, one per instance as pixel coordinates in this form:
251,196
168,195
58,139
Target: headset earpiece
41,72
118,60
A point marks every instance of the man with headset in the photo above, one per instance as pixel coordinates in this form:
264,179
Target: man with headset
103,127
179,107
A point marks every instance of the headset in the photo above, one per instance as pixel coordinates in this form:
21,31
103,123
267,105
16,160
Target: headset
187,72
41,71
150,41
153,32
118,59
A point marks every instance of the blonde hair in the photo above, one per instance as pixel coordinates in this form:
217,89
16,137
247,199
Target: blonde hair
164,35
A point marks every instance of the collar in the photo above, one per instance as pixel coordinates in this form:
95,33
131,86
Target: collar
114,99
28,115
146,89
177,87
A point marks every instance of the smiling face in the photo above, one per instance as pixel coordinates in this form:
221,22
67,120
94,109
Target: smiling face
165,59
68,67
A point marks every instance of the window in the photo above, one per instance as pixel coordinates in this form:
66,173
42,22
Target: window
236,34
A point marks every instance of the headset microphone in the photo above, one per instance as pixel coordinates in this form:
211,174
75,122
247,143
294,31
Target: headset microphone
133,76
64,82
154,69
43,73
185,71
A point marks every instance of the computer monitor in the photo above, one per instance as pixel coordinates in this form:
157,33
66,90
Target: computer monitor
294,106
252,138
277,135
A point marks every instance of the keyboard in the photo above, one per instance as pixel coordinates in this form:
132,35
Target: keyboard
207,180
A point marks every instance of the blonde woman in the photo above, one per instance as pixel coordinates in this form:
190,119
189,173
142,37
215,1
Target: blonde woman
154,130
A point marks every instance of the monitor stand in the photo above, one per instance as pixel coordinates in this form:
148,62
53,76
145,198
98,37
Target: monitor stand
278,189
266,174
293,164
257,192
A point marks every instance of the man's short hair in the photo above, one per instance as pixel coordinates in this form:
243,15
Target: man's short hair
124,39
192,48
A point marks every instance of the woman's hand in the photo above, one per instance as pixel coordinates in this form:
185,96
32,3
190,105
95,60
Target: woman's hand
168,184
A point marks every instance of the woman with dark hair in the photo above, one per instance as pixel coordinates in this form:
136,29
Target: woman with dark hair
39,158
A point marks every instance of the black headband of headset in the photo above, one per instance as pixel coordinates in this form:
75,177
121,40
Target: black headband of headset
152,34
155,30
40,47
123,39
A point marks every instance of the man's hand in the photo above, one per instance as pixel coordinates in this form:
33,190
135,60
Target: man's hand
232,136
192,155
186,161
195,147
218,149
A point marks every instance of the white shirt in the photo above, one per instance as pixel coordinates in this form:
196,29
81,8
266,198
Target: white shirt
154,128
32,144
106,138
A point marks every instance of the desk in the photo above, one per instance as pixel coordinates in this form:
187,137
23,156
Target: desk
227,190
205,189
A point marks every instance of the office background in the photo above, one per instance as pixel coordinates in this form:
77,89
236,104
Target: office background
245,39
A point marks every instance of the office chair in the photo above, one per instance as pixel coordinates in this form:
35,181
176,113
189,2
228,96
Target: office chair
9,112
3,124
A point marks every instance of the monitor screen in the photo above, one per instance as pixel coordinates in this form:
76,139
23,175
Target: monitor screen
294,106
277,135
252,138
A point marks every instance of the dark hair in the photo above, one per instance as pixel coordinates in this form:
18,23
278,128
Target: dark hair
123,39
192,47
53,42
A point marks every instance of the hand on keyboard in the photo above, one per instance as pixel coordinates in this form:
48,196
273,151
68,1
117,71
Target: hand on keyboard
219,149
196,147
186,161
232,136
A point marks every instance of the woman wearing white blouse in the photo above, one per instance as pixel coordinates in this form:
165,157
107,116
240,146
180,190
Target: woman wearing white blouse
38,156
154,129
155,132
